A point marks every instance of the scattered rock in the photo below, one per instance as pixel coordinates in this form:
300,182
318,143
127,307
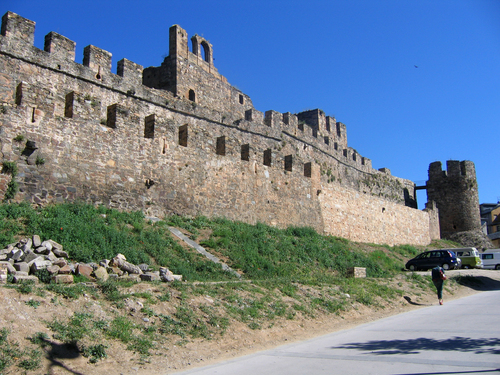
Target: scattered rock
63,279
65,270
53,269
25,279
22,266
37,242
101,274
60,253
149,276
29,255
3,274
10,267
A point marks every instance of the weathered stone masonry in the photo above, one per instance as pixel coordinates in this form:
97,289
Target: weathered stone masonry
455,194
179,138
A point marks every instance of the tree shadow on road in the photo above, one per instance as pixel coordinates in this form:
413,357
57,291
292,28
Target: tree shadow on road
415,346
480,283
56,352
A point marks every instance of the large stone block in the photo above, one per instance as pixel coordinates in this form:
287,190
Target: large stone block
10,268
150,277
39,264
3,274
85,270
22,266
356,272
18,279
101,274
63,279
36,241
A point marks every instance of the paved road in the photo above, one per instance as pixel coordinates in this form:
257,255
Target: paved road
460,337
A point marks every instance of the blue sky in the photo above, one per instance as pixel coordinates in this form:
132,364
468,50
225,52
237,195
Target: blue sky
354,59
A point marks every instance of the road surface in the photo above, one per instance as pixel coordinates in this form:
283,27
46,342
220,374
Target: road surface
460,337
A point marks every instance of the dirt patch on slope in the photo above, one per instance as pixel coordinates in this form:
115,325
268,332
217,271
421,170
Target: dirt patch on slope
23,320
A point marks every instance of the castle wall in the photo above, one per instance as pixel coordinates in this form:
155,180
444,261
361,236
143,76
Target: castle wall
80,132
434,227
359,217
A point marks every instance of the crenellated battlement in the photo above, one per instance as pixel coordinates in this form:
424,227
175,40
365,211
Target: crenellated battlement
312,127
182,126
454,169
18,28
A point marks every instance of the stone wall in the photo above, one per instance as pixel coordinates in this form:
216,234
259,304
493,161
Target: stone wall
350,214
178,139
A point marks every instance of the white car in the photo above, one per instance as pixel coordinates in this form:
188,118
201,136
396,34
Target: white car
491,259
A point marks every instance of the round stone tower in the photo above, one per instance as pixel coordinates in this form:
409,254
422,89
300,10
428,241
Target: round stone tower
456,195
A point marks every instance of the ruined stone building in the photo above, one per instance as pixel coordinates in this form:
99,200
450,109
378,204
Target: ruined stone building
455,193
179,139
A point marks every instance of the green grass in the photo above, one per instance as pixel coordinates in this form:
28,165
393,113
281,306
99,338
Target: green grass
293,272
11,353
74,291
95,352
74,331
296,253
90,233
260,252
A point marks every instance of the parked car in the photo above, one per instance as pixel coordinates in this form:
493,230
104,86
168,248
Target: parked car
430,259
469,256
491,258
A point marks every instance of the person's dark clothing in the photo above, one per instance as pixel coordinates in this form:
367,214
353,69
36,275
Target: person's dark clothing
439,287
438,277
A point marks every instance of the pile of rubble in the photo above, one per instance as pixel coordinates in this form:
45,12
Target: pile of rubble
23,260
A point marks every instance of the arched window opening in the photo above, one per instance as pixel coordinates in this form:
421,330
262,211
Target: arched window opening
205,51
194,45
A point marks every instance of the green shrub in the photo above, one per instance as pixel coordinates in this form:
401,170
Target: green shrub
33,303
95,352
74,330
43,276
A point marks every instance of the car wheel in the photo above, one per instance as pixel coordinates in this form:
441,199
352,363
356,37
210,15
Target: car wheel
413,268
446,266
497,267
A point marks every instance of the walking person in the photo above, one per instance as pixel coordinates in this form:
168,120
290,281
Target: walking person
438,278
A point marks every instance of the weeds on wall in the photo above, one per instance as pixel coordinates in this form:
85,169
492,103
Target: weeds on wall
39,160
10,167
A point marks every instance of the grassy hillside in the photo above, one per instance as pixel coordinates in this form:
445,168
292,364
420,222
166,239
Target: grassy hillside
259,251
289,274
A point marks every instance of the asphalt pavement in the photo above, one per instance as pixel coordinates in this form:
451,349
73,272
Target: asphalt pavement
460,337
